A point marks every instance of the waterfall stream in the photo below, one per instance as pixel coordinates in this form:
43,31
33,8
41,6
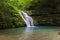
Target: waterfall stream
27,19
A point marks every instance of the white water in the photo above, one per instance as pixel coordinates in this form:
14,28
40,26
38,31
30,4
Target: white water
27,19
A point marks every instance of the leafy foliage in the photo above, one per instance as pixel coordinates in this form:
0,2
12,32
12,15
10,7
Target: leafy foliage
45,9
46,12
9,12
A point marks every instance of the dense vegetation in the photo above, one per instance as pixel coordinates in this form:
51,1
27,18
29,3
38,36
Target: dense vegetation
9,16
44,12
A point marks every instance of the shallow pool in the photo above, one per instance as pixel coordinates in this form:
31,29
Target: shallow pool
31,33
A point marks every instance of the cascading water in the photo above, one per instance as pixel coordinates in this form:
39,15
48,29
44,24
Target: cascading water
28,20
30,25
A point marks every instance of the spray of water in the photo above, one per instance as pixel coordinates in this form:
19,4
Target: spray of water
27,19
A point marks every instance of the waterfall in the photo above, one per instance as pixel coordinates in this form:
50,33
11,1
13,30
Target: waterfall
27,19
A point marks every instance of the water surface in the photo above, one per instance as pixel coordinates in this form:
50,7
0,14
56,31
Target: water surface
31,33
